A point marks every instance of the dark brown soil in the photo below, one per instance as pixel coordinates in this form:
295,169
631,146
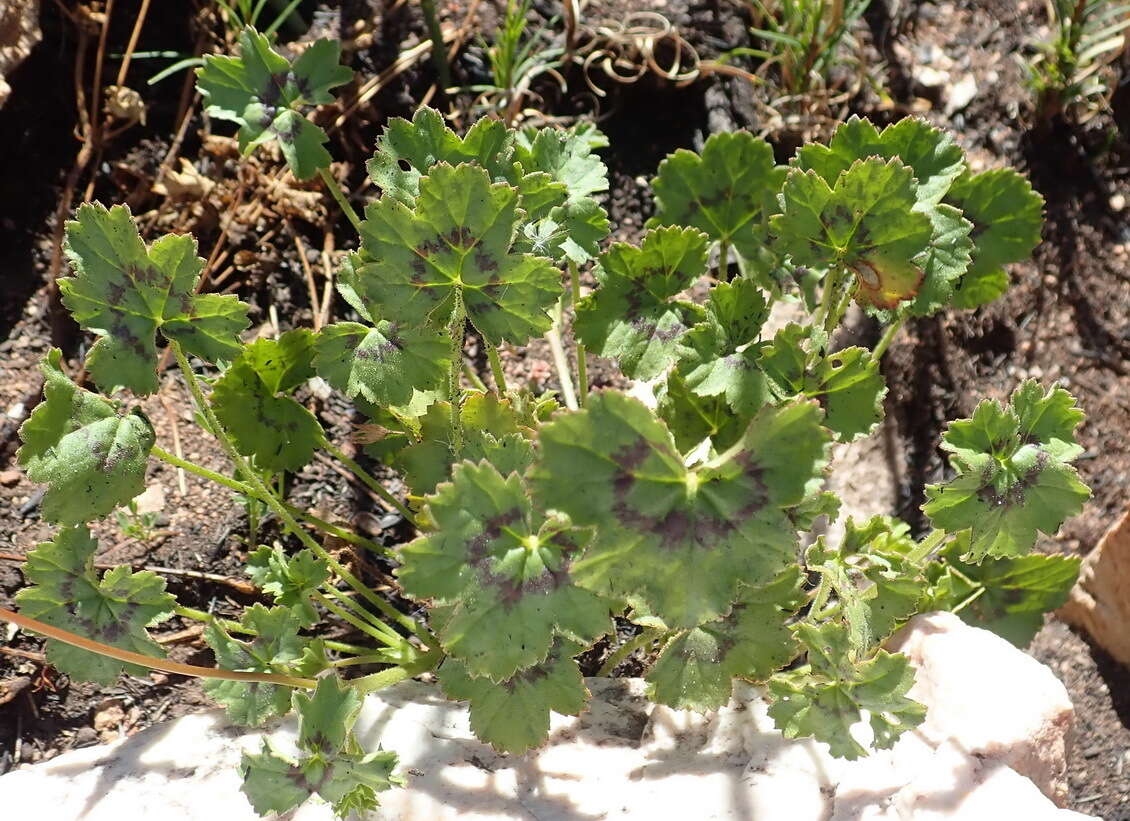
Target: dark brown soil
1067,317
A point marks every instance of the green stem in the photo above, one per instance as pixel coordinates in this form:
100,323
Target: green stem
348,603
582,364
828,298
888,337
456,331
439,50
723,260
280,509
379,657
236,627
386,678
364,626
627,648
339,196
496,368
247,490
926,547
473,377
369,481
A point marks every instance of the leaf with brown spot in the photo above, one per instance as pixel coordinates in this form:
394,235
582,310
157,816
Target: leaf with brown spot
452,246
115,609
91,457
513,715
503,570
678,539
125,293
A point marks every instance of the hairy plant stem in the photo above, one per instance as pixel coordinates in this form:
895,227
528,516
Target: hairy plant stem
723,260
627,648
369,481
560,361
280,509
496,368
240,487
456,331
885,341
473,377
164,665
386,678
339,196
439,51
582,365
236,627
926,547
366,626
828,299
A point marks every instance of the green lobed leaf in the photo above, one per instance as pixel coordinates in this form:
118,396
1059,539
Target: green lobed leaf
1007,217
866,221
632,317
492,430
274,648
936,160
513,715
262,91
277,431
426,141
332,766
692,418
125,293
1007,596
452,247
826,697
504,569
678,539
719,355
696,668
566,156
289,579
91,458
1013,477
384,364
945,260
847,381
115,609
723,192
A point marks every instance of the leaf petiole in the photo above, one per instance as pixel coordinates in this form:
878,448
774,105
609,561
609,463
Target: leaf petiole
334,188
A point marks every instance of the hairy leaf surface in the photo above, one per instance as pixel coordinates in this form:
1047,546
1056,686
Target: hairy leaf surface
724,192
633,316
453,247
125,293
1013,477
505,571
678,539
251,402
115,609
262,91
697,667
91,457
513,715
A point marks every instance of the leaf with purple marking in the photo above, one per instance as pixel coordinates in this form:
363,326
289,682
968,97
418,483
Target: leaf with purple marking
383,364
1013,477
115,609
453,248
91,457
697,667
633,317
726,192
865,221
678,539
252,402
504,570
125,293
274,647
513,715
331,762
263,92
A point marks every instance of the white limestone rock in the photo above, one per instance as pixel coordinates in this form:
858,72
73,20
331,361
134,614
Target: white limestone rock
997,719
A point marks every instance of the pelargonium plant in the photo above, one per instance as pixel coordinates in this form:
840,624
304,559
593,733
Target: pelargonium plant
541,519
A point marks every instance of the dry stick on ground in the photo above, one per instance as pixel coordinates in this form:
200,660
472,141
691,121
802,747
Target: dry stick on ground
30,655
182,484
235,584
300,247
